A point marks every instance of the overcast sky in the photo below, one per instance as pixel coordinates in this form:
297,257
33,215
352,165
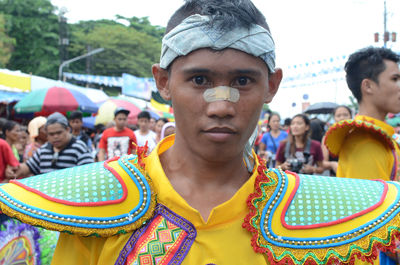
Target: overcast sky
304,31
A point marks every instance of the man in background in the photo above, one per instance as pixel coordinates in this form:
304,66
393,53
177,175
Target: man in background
366,146
76,122
144,134
61,151
117,140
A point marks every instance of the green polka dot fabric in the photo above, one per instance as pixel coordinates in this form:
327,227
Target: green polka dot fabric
325,199
88,183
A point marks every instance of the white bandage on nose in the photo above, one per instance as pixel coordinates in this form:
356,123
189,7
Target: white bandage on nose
221,93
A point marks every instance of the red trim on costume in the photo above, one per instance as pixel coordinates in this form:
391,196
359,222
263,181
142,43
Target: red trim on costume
105,164
289,201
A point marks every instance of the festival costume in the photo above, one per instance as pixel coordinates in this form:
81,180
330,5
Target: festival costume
367,148
132,215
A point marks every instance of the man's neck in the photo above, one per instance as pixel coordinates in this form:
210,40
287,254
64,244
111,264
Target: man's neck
143,132
118,129
59,149
76,132
371,111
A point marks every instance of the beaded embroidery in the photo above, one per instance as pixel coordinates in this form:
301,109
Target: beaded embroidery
363,242
165,239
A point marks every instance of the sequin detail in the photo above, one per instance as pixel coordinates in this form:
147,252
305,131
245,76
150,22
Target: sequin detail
89,183
325,199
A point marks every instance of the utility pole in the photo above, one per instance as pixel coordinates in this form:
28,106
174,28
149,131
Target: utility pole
386,36
385,33
76,59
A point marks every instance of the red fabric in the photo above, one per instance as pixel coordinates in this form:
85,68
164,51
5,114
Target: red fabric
6,158
112,133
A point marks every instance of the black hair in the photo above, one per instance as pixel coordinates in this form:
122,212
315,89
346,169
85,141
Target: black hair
317,128
270,117
144,114
75,115
306,135
367,63
228,13
287,121
165,120
8,126
343,106
273,114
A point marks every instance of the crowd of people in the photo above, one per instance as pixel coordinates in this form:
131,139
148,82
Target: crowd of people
56,142
299,147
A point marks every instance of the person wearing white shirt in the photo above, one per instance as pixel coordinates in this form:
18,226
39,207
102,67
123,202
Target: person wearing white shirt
144,134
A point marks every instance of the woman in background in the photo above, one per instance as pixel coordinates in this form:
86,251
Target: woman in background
299,153
270,141
11,132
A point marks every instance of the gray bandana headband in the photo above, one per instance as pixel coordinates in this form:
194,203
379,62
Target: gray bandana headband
195,32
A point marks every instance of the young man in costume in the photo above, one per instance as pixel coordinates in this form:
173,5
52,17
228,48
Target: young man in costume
201,197
367,146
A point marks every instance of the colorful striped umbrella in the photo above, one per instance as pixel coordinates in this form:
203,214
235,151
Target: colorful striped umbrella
49,100
106,110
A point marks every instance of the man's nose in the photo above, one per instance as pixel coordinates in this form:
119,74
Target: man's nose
221,109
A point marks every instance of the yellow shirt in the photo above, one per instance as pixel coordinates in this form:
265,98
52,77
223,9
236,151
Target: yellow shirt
363,152
220,240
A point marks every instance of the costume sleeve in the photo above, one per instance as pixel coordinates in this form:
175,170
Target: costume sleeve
364,156
280,154
78,250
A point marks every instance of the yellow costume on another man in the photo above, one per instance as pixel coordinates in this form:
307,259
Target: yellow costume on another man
126,211
367,148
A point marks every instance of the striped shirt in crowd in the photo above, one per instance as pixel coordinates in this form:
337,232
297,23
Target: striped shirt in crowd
45,159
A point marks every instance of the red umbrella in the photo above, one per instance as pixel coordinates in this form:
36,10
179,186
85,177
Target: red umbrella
49,100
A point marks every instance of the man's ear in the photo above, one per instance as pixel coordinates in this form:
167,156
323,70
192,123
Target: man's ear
273,84
161,78
367,87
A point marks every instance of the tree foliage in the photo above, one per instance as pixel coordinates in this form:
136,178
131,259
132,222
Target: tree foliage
127,50
6,44
29,41
34,26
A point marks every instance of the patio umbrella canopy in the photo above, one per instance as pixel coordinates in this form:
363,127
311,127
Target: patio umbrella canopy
46,101
106,111
321,108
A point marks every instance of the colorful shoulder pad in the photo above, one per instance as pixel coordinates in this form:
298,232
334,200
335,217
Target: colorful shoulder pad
102,199
305,219
337,133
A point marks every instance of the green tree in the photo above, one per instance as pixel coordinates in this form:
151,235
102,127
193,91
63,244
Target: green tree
34,26
6,44
127,50
143,24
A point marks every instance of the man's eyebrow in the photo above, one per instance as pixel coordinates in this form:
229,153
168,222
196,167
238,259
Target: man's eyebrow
196,71
252,72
